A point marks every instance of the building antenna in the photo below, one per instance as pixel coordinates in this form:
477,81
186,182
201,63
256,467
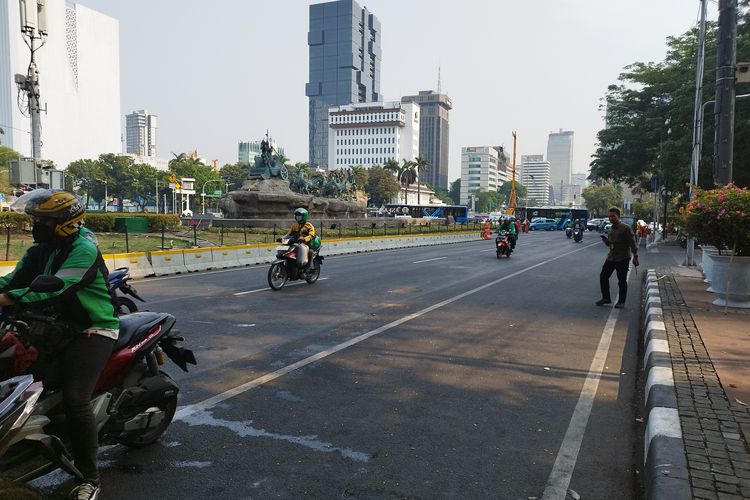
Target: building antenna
438,79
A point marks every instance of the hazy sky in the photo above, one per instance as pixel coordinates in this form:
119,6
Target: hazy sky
223,71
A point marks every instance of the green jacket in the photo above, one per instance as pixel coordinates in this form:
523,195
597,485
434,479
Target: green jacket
621,242
84,302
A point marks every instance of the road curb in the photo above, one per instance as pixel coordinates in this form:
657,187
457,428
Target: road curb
664,457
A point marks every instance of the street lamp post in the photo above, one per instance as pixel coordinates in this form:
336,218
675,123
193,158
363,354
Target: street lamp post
203,193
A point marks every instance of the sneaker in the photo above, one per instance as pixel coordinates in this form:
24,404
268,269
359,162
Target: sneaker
602,302
85,491
620,305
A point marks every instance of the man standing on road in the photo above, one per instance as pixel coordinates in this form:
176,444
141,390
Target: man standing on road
621,243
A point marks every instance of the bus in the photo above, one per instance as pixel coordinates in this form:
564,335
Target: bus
560,213
459,213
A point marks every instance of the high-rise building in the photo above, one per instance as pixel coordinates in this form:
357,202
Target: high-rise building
560,158
433,135
535,178
480,170
140,133
370,134
344,42
79,73
247,151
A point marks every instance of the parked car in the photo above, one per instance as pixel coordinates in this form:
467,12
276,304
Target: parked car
543,225
595,224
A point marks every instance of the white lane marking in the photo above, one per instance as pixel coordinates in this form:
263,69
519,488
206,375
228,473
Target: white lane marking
429,260
562,471
268,377
245,325
268,288
488,250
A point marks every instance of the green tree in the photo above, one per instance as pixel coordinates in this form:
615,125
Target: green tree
234,174
445,196
185,166
455,191
381,186
87,175
6,154
420,165
488,201
361,175
504,190
600,198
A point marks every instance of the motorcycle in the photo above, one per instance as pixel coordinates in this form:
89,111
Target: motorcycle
284,268
502,244
577,235
133,401
118,281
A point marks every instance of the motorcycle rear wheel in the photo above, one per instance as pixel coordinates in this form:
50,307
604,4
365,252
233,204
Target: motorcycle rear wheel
277,276
124,305
149,436
312,275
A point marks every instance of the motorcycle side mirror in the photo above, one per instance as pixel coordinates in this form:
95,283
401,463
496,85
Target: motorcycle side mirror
46,284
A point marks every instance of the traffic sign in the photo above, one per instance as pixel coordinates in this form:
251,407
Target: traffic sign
172,178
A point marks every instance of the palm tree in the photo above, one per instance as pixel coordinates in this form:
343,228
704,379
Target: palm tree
408,176
420,164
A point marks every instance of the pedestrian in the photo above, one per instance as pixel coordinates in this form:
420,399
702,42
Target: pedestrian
518,226
621,243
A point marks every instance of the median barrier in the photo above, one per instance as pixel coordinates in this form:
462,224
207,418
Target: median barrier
266,254
247,255
7,267
198,259
109,261
137,263
224,257
168,262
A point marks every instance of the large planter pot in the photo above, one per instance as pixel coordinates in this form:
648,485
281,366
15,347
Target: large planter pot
706,263
730,280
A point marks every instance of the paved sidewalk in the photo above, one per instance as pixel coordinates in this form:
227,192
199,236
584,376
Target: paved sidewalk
709,349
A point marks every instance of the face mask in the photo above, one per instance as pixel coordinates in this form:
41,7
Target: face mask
41,232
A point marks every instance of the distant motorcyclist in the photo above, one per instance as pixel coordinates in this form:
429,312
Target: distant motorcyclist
61,248
302,232
508,226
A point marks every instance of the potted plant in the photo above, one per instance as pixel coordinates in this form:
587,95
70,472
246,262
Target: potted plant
721,218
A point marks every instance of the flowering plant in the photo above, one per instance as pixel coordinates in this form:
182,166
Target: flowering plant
720,217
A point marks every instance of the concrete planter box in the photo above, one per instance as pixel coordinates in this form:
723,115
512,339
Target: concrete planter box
706,263
730,280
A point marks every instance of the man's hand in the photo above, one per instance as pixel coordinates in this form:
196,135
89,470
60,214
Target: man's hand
5,300
635,261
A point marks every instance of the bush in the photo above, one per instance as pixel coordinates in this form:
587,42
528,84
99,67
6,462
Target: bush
720,217
16,221
105,222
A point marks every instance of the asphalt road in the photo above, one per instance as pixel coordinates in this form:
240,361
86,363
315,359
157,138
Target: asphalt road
431,372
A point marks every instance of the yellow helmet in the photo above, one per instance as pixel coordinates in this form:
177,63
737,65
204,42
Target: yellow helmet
62,206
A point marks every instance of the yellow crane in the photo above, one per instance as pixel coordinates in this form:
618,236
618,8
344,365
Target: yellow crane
512,196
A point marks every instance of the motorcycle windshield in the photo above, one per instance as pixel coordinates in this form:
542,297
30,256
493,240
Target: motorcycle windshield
20,395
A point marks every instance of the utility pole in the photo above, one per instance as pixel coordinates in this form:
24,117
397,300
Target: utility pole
33,29
697,121
726,62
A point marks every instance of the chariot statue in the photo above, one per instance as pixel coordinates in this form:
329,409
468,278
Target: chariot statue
267,164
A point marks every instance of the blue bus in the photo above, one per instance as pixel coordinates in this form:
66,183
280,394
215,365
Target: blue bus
458,213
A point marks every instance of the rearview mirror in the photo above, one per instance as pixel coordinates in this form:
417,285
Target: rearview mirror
46,284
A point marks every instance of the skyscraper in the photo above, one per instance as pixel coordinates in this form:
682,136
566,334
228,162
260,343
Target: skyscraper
535,176
140,133
79,72
433,135
344,41
560,158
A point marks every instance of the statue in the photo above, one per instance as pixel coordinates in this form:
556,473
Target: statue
267,164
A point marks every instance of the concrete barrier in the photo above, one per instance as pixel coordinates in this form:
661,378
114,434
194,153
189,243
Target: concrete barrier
247,255
224,257
198,259
109,260
168,262
7,267
137,263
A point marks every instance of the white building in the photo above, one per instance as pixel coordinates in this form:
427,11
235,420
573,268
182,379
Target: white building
560,158
140,133
482,169
535,178
79,73
372,133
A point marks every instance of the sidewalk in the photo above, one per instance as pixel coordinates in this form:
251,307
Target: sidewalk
709,353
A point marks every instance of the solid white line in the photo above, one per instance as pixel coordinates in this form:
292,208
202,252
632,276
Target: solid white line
214,400
562,471
268,288
429,260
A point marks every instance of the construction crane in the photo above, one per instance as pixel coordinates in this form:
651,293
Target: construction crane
512,196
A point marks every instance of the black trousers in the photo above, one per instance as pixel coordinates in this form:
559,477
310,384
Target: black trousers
83,361
621,266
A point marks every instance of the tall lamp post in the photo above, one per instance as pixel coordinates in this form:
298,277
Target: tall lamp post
526,209
203,193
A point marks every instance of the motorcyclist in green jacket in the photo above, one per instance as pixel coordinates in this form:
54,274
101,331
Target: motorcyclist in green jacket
508,225
83,302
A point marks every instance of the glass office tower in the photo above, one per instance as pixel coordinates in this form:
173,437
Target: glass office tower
344,42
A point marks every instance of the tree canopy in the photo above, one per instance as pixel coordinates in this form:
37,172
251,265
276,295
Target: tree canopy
381,186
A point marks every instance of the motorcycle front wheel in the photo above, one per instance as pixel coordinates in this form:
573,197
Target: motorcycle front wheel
277,276
312,275
124,305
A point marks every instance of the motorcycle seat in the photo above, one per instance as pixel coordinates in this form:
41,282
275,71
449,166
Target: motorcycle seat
117,274
135,326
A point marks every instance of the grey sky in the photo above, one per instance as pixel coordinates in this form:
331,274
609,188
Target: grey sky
219,72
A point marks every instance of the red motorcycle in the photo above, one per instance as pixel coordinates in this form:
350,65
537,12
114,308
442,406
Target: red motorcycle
502,244
284,268
133,403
